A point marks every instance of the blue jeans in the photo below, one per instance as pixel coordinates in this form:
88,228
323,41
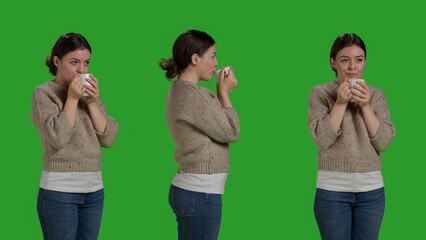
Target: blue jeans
70,216
198,214
349,216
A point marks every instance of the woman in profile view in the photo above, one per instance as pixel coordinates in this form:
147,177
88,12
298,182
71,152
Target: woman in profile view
201,124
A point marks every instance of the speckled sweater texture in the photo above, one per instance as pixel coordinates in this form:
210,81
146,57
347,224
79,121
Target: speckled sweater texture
200,128
68,148
351,149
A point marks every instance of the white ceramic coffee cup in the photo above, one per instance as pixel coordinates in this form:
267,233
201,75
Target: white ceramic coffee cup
352,83
217,72
83,78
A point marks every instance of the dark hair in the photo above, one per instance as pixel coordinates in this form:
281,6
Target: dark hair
188,43
65,44
346,40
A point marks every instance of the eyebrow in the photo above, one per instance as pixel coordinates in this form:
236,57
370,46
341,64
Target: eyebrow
349,57
79,59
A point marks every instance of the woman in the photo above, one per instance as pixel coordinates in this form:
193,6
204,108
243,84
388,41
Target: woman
201,125
72,131
349,201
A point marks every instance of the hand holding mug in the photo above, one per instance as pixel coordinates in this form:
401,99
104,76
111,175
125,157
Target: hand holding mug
344,94
92,89
76,89
361,93
227,81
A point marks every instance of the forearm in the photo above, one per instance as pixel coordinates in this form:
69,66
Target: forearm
224,99
336,115
70,109
371,121
98,119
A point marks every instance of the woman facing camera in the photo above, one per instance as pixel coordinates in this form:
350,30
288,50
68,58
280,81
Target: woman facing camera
351,127
201,124
72,130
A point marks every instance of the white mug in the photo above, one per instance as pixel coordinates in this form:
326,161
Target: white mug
83,78
217,72
352,83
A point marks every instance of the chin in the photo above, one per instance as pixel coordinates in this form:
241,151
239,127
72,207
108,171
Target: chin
206,79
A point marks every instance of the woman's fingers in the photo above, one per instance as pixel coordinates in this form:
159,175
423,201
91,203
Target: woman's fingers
91,92
362,92
344,92
222,74
348,95
93,78
77,85
92,89
93,81
361,88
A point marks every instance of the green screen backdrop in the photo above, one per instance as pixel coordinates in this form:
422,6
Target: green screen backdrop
279,51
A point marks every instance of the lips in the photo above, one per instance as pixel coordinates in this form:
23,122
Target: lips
351,74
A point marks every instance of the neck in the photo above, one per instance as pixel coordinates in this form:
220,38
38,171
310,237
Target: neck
60,81
340,80
189,76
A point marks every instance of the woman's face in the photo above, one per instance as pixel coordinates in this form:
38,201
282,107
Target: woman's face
72,64
207,64
349,63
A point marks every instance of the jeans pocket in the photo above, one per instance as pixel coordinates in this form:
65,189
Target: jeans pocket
182,201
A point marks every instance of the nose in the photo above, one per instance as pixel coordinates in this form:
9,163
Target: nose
351,65
80,68
215,62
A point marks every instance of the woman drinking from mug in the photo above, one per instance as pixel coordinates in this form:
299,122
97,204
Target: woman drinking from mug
72,131
350,135
201,124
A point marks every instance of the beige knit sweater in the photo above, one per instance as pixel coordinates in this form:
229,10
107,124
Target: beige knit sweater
200,128
350,150
68,148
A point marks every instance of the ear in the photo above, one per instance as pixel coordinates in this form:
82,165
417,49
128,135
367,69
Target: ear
332,62
195,59
56,61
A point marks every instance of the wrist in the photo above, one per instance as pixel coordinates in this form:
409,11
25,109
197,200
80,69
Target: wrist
92,104
341,104
365,106
222,92
72,99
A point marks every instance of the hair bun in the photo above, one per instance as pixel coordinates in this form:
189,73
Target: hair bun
169,65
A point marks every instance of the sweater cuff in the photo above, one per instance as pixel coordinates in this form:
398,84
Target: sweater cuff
383,136
230,110
107,129
107,138
329,131
69,130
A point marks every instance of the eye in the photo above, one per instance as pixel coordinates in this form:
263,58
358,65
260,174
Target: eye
87,63
73,62
344,60
359,60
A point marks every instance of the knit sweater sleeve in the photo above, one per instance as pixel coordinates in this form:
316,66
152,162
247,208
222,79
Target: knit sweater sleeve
386,132
319,121
47,116
207,115
111,131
